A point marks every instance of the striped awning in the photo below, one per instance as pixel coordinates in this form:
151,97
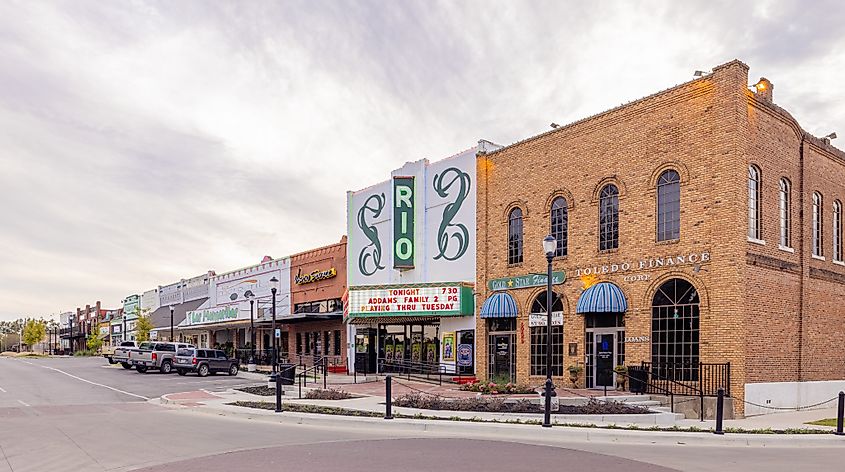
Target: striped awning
499,305
603,297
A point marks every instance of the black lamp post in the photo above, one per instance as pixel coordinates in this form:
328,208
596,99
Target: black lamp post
549,247
252,329
171,324
273,288
70,338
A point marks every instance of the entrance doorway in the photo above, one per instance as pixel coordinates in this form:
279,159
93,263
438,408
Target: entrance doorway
605,341
604,348
501,349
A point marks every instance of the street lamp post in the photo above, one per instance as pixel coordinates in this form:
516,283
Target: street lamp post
549,247
273,288
70,334
251,363
171,324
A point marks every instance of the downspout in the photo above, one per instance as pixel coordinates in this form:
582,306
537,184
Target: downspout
802,257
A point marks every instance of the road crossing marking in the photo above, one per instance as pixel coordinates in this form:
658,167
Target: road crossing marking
97,384
24,403
1,390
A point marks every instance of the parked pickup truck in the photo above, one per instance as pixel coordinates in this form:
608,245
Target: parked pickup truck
155,355
120,354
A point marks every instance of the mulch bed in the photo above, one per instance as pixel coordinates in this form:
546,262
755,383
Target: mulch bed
499,405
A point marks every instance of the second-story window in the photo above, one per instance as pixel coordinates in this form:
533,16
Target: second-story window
837,231
785,207
609,218
515,236
560,225
755,210
818,243
669,206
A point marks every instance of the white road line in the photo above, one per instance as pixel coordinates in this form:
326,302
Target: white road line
24,403
97,384
1,390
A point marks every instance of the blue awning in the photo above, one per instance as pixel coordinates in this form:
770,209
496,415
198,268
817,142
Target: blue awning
499,305
603,297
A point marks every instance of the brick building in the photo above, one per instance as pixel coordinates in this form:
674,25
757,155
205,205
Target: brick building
699,225
315,326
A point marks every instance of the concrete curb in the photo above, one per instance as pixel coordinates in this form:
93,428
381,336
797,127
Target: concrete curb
521,432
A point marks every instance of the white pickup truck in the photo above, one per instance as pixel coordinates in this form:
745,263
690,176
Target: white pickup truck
155,355
120,354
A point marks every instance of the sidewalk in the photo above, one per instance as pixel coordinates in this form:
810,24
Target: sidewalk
370,398
444,423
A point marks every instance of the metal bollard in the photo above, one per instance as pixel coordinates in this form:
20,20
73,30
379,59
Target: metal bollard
278,392
840,414
388,400
720,410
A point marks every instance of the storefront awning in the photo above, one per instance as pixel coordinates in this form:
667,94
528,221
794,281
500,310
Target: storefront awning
603,297
499,305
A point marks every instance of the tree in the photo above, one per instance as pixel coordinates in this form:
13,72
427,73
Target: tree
94,342
34,332
142,328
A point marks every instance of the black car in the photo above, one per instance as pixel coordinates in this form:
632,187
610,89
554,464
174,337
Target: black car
204,362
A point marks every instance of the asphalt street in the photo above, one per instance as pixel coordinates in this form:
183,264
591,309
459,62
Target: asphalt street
74,414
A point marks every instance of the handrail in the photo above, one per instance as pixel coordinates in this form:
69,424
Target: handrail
665,391
416,368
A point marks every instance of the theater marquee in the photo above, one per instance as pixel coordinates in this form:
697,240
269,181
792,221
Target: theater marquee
438,300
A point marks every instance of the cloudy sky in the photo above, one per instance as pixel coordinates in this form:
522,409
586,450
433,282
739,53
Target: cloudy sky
142,142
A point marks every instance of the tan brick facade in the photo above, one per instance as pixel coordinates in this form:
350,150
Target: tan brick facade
709,131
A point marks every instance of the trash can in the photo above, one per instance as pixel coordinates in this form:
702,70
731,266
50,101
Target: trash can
638,378
288,373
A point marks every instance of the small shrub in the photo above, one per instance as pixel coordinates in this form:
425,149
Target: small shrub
493,388
328,394
499,405
84,353
261,390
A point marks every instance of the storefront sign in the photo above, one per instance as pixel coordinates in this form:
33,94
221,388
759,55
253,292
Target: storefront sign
153,335
403,222
315,276
104,330
645,264
636,339
116,329
539,319
438,300
448,346
211,316
524,281
464,355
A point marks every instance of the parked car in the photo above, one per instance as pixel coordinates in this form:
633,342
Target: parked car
121,354
110,351
205,361
155,355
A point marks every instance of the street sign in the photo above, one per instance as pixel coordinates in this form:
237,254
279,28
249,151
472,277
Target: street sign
278,333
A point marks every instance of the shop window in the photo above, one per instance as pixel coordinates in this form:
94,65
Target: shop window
755,208
609,218
559,219
837,231
818,216
325,350
785,209
675,331
669,206
299,343
515,236
539,335
336,344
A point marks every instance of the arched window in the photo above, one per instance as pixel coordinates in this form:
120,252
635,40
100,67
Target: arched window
755,209
785,207
669,206
559,219
818,216
674,330
609,218
837,231
538,322
515,236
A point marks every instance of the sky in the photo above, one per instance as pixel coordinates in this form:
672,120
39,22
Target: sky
142,142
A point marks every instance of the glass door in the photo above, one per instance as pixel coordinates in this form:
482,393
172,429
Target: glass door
605,356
